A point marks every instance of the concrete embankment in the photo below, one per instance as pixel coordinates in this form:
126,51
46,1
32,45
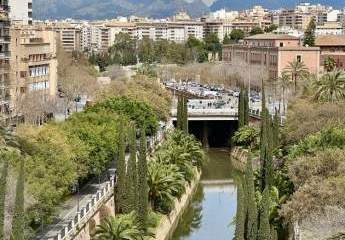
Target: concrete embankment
238,158
168,223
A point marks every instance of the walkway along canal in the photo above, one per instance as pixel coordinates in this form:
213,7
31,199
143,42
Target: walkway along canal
213,207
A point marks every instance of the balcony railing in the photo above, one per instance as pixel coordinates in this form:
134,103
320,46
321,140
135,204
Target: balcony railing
5,54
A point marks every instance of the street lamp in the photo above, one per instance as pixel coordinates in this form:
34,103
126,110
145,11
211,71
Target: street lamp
77,100
76,189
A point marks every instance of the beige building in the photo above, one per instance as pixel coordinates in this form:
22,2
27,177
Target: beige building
294,19
33,63
272,53
70,36
4,59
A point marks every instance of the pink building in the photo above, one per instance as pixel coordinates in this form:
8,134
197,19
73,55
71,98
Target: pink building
332,46
272,52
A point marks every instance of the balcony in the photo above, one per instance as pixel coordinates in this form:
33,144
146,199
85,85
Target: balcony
5,39
5,55
3,16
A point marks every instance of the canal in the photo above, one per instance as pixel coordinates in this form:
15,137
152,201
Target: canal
213,206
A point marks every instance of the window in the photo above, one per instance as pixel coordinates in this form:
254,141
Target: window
281,44
22,74
299,58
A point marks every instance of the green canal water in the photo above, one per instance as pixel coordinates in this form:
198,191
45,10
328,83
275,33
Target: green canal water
213,206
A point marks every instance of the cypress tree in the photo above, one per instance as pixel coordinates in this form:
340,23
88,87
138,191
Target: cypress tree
185,115
309,34
274,233
240,213
3,184
241,109
265,144
275,129
142,182
121,172
252,211
179,115
132,173
246,107
264,226
18,221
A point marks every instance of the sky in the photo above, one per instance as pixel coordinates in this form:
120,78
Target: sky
207,2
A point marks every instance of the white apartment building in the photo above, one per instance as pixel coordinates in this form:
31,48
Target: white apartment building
222,14
330,28
21,11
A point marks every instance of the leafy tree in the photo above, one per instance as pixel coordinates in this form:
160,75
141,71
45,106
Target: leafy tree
120,227
146,51
227,39
132,173
123,50
121,186
271,28
285,84
141,113
309,34
330,64
296,70
256,30
330,87
18,222
252,210
142,182
212,44
264,225
246,136
240,213
236,35
3,180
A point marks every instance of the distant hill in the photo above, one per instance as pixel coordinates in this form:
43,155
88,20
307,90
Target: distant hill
270,4
101,9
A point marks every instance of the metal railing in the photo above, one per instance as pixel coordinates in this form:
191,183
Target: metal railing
86,212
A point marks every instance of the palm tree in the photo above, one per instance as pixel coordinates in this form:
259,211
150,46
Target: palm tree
329,64
296,70
285,83
330,87
121,227
165,183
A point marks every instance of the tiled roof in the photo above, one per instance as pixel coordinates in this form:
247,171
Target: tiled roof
271,36
330,40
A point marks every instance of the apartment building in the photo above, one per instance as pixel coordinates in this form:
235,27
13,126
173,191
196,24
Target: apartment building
21,11
294,19
272,53
4,59
330,28
33,64
214,27
70,36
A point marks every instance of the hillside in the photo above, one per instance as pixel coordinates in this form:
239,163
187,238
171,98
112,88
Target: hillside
102,9
270,4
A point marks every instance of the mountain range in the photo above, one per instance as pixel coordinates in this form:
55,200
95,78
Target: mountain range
106,9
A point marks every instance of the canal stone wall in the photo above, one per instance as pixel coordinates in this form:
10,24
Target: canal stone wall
239,157
168,223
